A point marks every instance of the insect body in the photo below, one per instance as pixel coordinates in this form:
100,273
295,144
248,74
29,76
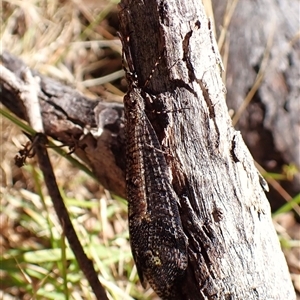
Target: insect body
157,239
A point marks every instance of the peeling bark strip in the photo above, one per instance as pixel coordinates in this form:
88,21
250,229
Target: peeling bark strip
233,250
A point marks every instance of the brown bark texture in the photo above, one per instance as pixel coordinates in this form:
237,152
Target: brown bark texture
233,249
224,211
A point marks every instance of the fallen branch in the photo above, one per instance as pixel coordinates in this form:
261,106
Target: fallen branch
88,127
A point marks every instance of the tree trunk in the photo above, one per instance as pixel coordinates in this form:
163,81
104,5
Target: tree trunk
233,250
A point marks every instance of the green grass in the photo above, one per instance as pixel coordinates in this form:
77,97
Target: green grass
39,261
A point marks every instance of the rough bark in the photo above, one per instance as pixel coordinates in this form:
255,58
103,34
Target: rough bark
223,208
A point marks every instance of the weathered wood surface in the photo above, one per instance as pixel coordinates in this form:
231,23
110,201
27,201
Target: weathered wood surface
223,208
